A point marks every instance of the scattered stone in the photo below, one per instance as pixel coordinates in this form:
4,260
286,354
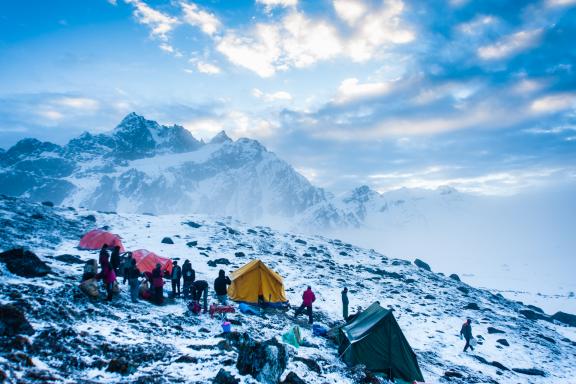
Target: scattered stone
565,318
549,339
430,297
492,330
192,224
37,216
453,374
120,365
300,241
265,361
531,315
47,203
41,375
311,364
454,277
499,365
24,263
292,378
167,240
225,377
192,243
239,254
420,264
535,308
504,342
530,371
472,306
91,218
69,259
204,330
464,290
222,261
187,359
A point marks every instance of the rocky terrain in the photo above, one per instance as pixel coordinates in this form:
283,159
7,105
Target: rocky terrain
51,332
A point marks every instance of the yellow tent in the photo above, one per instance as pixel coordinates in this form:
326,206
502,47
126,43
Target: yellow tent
256,279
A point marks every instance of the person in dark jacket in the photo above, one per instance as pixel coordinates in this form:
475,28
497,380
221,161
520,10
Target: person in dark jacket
221,287
345,303
466,331
189,275
199,289
132,274
308,298
175,278
103,257
115,259
158,284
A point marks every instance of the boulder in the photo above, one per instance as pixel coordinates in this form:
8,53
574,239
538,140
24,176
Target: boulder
13,321
239,254
222,261
225,377
430,297
265,361
420,264
530,371
453,374
121,366
167,240
292,378
47,203
90,218
24,263
472,306
454,277
192,243
300,241
192,224
187,359
492,330
464,290
565,318
311,364
503,342
69,259
531,315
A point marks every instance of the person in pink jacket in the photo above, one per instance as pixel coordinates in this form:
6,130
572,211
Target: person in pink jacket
108,276
308,298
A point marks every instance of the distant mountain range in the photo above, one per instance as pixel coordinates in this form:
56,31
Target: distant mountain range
144,167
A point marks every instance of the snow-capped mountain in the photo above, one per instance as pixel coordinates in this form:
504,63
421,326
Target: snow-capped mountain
142,166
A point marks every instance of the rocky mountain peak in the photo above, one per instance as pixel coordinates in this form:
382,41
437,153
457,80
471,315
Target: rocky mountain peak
220,138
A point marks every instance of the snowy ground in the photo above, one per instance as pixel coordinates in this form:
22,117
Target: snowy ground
428,307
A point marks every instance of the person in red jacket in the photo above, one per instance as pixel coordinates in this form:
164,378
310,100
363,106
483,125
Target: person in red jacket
158,284
109,277
308,298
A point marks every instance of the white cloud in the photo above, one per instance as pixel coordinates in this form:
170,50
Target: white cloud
350,10
79,103
350,90
207,68
552,131
510,45
278,3
50,114
254,127
113,2
207,22
477,25
160,23
167,48
554,103
560,3
204,128
272,97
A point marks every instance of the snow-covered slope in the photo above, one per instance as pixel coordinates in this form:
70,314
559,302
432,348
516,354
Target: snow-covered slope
142,166
75,339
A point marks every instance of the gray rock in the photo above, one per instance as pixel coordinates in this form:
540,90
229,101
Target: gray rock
455,277
565,318
167,240
13,321
503,342
421,264
225,377
24,263
530,371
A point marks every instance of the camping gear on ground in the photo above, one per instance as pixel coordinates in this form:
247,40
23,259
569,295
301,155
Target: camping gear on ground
473,342
318,330
90,269
226,327
116,287
375,339
90,287
293,337
255,282
248,309
96,238
220,309
146,261
194,307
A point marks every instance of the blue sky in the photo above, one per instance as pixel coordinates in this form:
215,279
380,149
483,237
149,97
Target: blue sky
480,95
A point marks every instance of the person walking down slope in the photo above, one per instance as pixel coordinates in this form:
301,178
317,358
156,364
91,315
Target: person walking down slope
189,275
221,287
132,274
466,331
199,289
345,303
115,259
176,276
158,284
308,298
103,257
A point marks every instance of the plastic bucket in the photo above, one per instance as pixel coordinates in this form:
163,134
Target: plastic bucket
226,327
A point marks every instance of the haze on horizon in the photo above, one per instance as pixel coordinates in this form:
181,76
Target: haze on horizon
479,96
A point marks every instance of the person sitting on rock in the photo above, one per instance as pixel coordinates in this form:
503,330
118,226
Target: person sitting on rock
115,259
221,287
308,298
175,278
199,289
158,284
189,276
466,331
103,257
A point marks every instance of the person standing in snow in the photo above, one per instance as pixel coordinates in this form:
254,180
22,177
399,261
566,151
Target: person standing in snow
308,298
345,303
189,276
199,289
175,277
103,257
115,259
108,276
466,331
158,284
132,274
221,287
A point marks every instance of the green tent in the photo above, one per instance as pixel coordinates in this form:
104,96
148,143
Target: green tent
374,338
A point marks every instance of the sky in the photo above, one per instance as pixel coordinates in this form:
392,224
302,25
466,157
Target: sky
479,95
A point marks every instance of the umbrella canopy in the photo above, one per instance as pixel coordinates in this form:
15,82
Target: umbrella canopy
146,261
96,238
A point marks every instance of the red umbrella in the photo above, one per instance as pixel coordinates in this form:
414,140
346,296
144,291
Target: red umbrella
96,238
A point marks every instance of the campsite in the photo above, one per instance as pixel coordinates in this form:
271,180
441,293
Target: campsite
93,341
